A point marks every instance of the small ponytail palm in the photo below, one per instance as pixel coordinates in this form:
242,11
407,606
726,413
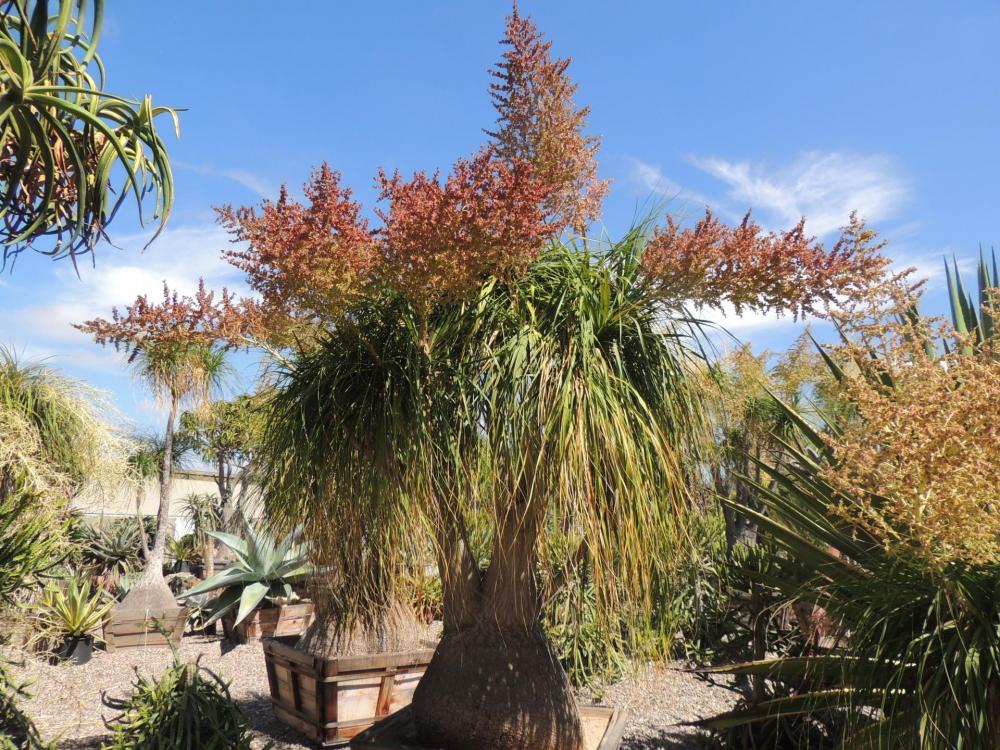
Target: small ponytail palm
70,152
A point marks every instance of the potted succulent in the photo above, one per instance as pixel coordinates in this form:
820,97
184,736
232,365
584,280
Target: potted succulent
257,598
184,551
69,619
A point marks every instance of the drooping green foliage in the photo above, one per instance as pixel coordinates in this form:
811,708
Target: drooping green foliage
71,153
264,570
576,376
187,708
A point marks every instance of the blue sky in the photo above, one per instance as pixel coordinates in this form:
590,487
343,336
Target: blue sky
789,108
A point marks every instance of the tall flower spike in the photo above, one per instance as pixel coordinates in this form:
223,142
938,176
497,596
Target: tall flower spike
539,123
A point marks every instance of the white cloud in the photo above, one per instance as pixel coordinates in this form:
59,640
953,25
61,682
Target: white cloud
823,187
179,257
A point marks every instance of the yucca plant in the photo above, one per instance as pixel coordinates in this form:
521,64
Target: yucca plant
264,570
205,512
917,663
187,708
183,550
974,315
70,152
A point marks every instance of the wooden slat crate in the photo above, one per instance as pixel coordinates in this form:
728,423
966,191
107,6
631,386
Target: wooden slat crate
270,622
133,629
332,700
603,729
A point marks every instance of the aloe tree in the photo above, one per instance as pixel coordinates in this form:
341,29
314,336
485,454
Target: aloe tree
71,153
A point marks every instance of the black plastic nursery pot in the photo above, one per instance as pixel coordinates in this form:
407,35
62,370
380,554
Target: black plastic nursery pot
76,650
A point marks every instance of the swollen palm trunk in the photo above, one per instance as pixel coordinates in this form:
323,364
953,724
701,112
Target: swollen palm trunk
491,687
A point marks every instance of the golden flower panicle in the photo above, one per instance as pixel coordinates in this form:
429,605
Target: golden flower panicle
201,320
440,240
538,122
305,259
711,264
920,466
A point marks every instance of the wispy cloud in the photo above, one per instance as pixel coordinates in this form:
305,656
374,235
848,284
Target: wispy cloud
255,183
823,187
650,179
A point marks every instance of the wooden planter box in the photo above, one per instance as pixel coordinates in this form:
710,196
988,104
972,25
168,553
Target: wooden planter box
271,622
332,700
602,730
132,629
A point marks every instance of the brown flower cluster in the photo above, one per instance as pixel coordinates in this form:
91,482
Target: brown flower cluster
539,123
179,320
439,238
711,264
443,240
311,255
921,462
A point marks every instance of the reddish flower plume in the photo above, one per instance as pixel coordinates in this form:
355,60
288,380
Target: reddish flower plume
315,256
539,123
711,263
180,320
443,240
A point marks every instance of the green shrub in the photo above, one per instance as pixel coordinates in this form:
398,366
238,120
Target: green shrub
187,708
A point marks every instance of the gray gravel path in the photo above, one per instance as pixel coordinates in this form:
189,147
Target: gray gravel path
67,702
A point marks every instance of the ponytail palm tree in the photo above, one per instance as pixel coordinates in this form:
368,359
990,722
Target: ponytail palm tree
175,350
175,374
462,360
560,401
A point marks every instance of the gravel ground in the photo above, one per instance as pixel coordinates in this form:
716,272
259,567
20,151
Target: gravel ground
67,703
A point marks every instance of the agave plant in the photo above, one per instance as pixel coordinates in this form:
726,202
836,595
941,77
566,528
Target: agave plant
114,550
76,611
263,571
70,152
